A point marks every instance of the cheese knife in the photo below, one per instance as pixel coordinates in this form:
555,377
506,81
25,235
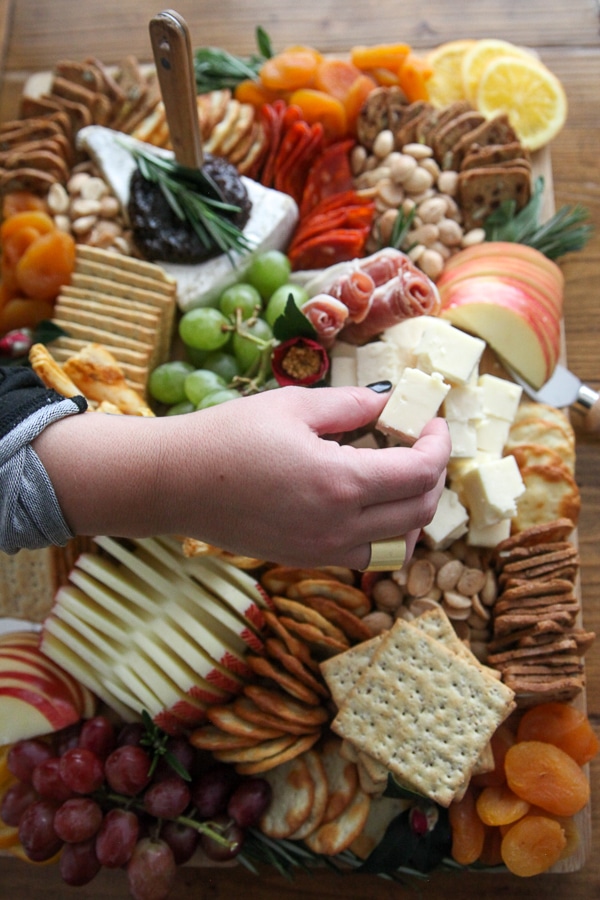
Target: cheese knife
563,389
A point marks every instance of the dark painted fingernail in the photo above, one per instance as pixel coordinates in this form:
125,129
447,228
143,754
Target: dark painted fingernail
380,387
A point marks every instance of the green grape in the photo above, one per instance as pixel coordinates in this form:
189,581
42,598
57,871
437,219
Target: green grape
200,383
224,364
268,271
246,350
179,409
166,381
196,357
204,329
279,299
240,296
218,397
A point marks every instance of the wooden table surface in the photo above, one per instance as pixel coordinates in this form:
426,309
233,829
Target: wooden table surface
34,34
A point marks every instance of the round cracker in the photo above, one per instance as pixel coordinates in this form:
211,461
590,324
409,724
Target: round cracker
550,494
297,648
209,737
256,753
336,836
225,718
247,709
346,595
301,745
349,623
267,668
277,650
342,779
279,704
277,579
320,644
304,613
317,772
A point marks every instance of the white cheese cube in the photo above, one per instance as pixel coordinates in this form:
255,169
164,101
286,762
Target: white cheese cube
488,535
463,403
449,351
414,401
376,361
449,522
463,437
458,467
492,434
342,365
499,397
491,490
406,334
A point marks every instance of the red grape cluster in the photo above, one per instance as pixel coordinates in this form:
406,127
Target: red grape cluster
126,798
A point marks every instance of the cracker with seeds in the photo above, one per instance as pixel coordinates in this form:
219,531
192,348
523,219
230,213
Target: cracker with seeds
424,712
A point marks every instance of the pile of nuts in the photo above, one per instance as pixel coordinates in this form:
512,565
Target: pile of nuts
87,209
459,579
401,181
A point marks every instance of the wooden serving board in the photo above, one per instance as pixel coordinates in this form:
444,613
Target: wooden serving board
541,166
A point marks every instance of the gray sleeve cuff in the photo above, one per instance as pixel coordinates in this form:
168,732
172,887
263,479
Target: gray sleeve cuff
30,515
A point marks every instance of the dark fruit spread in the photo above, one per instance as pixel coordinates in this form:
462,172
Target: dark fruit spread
160,234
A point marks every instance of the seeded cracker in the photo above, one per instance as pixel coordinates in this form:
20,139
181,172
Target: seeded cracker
423,712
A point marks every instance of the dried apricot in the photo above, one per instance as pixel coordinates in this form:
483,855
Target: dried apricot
31,218
468,831
317,106
21,201
498,805
490,854
293,68
21,312
562,725
413,76
46,265
14,246
546,776
532,845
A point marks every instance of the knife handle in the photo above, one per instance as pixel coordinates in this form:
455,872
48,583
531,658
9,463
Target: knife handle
588,403
173,56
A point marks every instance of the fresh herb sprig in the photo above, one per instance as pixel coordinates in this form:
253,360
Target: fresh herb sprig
216,69
194,198
564,232
400,229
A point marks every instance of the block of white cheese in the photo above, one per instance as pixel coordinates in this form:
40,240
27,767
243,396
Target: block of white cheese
490,490
463,403
342,365
463,437
376,361
415,400
492,434
405,336
272,219
449,522
499,397
449,351
488,535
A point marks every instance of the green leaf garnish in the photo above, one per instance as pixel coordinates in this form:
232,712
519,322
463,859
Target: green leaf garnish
155,741
564,232
400,229
292,323
194,198
395,788
216,69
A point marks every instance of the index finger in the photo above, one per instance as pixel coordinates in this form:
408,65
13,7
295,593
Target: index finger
397,473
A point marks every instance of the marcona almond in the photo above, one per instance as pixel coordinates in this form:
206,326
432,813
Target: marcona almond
432,210
432,263
447,577
401,166
377,622
457,601
471,581
418,151
383,144
421,577
387,595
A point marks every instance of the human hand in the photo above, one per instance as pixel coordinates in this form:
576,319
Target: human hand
260,479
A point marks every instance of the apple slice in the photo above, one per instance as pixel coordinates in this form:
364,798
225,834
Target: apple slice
82,697
22,717
524,335
31,673
507,251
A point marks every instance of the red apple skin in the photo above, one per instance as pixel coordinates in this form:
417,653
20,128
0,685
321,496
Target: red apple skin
83,699
58,714
496,292
36,680
484,292
535,281
507,251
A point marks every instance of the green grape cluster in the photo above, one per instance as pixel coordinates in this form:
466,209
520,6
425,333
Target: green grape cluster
228,346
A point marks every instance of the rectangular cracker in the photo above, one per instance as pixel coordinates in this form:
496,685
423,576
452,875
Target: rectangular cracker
423,712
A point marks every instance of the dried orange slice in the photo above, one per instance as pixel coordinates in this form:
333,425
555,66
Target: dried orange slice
476,59
531,96
446,84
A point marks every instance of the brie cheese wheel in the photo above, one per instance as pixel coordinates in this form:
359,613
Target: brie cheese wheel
272,219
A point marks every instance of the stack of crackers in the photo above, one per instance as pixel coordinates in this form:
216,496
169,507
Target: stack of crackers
492,165
125,304
414,702
542,440
537,641
229,129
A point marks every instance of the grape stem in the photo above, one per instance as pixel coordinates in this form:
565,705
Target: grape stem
209,829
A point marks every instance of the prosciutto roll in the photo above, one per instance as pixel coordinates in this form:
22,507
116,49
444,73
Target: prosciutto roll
355,290
327,315
409,293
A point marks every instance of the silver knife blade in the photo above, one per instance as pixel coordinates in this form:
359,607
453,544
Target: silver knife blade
562,389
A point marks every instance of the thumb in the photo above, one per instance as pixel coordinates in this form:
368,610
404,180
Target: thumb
336,410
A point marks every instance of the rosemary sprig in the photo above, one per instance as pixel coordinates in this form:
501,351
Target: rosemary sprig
564,232
216,69
400,229
194,198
